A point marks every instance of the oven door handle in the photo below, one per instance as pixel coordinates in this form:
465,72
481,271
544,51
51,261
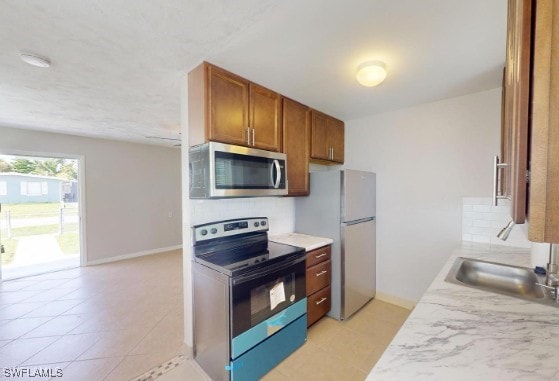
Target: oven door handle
266,271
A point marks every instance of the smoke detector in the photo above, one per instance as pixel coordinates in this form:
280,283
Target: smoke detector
35,60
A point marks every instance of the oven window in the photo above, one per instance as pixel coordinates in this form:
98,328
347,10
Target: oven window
264,295
271,298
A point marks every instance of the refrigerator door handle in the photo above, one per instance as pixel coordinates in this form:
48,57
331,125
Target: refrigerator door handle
349,223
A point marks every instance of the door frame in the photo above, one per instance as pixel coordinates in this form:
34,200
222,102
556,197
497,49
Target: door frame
81,190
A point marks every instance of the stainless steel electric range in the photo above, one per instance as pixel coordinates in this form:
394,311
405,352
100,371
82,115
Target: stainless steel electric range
250,308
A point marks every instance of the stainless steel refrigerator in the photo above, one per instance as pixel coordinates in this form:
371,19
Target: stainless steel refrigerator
342,206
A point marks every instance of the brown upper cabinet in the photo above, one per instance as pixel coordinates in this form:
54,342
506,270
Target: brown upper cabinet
544,151
513,164
327,139
231,109
296,143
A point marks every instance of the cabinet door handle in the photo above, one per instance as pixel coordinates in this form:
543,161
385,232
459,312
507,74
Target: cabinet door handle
253,134
496,166
248,136
320,256
321,273
321,300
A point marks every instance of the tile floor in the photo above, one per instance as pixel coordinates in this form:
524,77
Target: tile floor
107,322
118,321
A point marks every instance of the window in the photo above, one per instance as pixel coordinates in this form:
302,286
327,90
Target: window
34,188
3,188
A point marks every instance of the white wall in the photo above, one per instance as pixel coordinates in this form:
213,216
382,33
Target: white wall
130,189
279,210
426,158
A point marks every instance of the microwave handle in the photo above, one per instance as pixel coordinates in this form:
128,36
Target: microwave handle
277,180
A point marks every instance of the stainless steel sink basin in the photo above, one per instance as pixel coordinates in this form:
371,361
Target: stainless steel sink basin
519,282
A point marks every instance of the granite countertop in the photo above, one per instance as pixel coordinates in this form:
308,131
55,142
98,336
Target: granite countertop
460,333
309,242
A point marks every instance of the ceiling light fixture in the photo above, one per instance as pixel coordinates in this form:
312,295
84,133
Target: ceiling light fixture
34,59
371,73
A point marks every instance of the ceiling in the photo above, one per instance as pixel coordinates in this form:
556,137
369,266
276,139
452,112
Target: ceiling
117,65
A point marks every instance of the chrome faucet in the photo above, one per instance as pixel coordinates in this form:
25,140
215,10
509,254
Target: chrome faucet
552,277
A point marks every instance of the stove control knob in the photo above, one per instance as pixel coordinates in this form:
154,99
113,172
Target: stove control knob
263,223
213,231
203,232
256,224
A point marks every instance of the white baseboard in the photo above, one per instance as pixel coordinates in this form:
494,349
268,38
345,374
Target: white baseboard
132,255
407,304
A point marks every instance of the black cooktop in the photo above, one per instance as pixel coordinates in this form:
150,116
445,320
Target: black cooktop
247,258
240,246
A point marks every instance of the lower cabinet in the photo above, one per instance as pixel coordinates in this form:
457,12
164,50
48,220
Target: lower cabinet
319,276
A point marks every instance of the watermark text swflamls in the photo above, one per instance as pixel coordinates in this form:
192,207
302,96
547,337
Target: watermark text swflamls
30,372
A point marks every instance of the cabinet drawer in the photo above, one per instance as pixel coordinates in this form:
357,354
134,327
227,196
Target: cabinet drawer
318,255
318,304
318,276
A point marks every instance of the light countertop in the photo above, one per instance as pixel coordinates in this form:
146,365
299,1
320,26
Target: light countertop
460,333
309,242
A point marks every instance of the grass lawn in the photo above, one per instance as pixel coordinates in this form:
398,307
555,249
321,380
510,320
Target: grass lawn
69,241
37,209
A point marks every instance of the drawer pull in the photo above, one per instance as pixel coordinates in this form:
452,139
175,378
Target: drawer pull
321,300
320,256
321,273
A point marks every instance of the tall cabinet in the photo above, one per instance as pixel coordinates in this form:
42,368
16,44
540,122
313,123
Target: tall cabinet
296,137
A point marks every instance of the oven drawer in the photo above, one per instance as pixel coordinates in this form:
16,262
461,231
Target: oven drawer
258,361
318,304
259,333
318,277
319,255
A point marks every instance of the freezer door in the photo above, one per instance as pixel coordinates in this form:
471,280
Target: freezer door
358,195
358,265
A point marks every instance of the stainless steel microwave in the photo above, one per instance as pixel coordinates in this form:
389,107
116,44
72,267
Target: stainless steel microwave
220,170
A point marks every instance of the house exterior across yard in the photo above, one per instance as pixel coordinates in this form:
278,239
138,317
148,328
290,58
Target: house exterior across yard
17,188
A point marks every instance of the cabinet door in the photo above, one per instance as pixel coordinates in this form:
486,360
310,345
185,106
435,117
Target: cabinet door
544,179
336,139
296,136
516,106
320,149
265,118
227,107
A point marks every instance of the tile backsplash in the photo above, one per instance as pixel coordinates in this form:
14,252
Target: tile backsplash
279,210
481,222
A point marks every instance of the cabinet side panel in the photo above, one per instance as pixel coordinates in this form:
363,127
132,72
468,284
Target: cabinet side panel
519,154
196,106
211,321
552,208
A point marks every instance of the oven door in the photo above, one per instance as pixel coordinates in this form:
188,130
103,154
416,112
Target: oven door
259,295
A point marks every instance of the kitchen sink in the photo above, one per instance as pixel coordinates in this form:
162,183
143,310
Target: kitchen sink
519,282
